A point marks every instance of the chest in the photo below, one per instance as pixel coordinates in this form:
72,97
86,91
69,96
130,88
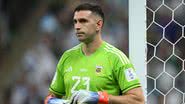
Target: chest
88,73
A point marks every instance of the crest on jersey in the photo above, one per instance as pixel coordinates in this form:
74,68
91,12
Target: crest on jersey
99,69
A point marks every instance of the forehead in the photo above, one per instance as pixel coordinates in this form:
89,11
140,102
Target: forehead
82,14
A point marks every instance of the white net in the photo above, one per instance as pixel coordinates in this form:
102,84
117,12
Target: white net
165,51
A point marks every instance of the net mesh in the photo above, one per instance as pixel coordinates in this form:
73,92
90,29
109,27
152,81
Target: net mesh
165,51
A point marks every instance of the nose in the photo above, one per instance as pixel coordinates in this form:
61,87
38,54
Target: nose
77,26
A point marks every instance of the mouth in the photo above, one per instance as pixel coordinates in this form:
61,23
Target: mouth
79,34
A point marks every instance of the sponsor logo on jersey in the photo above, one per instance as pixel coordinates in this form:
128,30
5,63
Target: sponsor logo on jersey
130,74
83,70
69,69
99,69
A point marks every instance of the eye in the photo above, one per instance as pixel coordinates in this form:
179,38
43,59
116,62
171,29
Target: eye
74,21
83,20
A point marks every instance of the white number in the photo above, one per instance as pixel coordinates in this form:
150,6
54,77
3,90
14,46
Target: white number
86,83
77,78
85,80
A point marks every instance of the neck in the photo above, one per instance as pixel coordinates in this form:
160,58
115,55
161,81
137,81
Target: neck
90,48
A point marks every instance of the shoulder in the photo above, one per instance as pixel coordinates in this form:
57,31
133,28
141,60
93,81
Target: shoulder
110,48
74,49
70,52
115,54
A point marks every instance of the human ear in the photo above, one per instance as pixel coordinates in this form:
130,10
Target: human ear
99,24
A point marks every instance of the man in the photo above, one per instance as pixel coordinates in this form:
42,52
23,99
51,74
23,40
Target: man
93,72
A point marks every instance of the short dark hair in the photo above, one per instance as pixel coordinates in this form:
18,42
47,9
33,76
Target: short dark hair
91,7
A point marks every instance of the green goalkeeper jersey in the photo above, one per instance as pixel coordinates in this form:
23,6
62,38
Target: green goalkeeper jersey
107,69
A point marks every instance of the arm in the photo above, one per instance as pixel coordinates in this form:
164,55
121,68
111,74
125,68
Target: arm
57,89
127,79
54,95
133,96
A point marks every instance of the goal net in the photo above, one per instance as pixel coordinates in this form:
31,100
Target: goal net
163,38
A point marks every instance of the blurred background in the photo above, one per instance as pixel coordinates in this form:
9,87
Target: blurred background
35,33
33,36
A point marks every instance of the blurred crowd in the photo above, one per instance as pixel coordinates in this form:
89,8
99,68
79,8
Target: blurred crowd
35,33
33,36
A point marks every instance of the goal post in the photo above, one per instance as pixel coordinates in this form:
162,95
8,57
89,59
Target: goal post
137,39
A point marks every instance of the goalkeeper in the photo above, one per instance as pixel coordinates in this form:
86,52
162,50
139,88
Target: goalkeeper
93,72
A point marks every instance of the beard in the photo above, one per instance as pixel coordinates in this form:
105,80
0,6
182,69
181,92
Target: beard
85,38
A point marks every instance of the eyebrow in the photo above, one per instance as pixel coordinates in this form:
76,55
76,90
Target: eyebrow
80,19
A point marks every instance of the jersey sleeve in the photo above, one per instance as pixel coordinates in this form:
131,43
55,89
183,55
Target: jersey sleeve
125,73
57,85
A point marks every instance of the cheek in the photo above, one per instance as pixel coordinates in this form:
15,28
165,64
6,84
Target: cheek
92,28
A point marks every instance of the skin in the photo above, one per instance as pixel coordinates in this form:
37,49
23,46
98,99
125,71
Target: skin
88,27
88,30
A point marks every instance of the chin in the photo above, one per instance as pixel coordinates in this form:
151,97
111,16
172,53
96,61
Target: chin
81,40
